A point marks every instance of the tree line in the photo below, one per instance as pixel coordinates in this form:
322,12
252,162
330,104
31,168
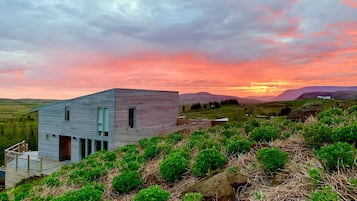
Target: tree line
214,105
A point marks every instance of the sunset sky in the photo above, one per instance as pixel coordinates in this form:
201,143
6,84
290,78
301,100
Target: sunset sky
67,48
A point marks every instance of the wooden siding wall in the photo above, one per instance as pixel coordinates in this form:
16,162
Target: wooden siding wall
154,111
82,123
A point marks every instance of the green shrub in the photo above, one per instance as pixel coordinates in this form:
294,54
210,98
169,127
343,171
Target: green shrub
131,166
157,139
326,194
195,138
238,146
90,162
202,140
87,175
92,192
164,147
340,154
127,182
22,191
130,148
155,149
4,196
295,126
228,133
174,138
109,156
329,116
316,176
352,109
285,134
250,125
329,112
345,134
183,152
209,143
264,133
331,120
151,152
133,156
207,160
192,197
144,143
173,166
153,193
272,159
52,181
317,135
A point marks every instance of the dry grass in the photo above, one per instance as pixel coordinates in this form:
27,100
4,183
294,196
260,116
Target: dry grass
339,182
311,120
290,184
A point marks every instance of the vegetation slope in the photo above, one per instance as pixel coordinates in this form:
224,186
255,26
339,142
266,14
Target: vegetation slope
310,159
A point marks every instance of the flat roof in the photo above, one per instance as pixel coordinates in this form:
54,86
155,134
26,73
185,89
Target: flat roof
113,89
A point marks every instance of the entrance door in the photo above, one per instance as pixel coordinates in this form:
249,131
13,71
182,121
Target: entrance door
64,148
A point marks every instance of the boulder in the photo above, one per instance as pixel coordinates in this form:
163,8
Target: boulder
220,187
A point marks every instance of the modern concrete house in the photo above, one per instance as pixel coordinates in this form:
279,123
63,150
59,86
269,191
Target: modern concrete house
71,130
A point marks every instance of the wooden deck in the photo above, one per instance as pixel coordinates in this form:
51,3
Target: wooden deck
20,163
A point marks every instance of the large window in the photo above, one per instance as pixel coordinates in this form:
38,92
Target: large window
66,113
131,117
103,121
101,145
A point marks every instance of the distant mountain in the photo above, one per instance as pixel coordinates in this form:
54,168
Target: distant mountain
261,98
295,93
205,97
344,95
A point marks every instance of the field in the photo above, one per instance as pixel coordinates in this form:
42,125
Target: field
17,123
308,154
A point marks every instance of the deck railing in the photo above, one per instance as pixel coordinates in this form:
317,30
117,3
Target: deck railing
18,157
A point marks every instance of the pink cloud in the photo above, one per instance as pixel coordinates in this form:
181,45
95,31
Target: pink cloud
12,72
351,3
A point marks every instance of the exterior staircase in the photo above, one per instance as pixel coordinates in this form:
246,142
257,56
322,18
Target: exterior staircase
21,163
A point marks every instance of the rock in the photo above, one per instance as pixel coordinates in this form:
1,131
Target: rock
280,178
220,187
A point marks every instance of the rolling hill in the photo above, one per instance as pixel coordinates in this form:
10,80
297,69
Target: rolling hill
295,93
341,95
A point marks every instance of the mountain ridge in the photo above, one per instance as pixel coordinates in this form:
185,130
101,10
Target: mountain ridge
205,97
293,94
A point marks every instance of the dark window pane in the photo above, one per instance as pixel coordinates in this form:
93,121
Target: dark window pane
98,145
131,117
89,146
105,145
82,145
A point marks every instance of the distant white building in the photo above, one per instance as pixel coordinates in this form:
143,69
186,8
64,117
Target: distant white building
324,97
